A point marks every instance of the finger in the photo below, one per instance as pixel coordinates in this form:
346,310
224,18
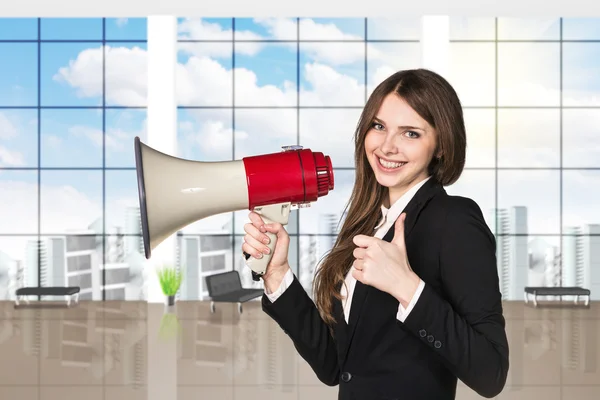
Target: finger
255,233
256,245
363,240
358,264
399,231
251,250
359,252
358,275
257,221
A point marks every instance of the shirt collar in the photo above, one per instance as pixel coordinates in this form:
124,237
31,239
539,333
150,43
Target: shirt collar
392,213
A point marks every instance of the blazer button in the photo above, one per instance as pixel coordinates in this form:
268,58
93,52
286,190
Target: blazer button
346,376
423,332
437,344
430,338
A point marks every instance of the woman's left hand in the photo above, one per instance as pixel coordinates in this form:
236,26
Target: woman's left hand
384,265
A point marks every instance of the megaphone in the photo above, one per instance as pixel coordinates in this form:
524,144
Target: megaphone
175,192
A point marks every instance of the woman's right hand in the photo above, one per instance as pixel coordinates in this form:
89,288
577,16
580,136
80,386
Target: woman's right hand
255,245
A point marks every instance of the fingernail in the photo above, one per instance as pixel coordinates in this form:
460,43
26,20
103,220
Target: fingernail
263,229
266,250
258,255
266,240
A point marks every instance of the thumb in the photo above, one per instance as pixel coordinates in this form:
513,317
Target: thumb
399,231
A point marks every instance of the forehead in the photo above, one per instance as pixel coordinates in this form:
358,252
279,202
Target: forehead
395,111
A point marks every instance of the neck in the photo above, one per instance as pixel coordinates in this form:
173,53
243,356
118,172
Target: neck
396,193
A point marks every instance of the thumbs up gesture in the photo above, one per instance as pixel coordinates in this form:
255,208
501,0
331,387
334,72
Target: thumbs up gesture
384,265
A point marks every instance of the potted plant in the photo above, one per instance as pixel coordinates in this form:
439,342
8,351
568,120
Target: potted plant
170,280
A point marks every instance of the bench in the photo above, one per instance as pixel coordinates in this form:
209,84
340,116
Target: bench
226,287
68,291
557,291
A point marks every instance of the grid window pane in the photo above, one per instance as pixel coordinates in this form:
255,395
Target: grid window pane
19,202
19,83
480,125
204,75
18,138
472,73
472,28
71,28
261,131
71,201
205,134
71,74
18,28
332,29
220,29
401,28
126,29
528,28
19,261
265,74
583,28
529,74
529,138
332,74
71,138
253,29
581,138
122,126
529,202
126,74
581,191
581,83
122,203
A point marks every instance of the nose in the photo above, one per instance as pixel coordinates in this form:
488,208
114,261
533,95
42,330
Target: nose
388,146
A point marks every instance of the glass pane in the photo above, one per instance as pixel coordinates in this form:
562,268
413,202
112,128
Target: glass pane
19,202
206,135
19,84
205,29
18,264
266,29
71,202
528,28
581,138
71,138
529,202
332,74
580,198
71,29
581,83
126,28
481,134
18,138
71,74
265,76
585,28
529,138
126,74
122,203
262,131
203,76
332,29
472,28
19,29
407,28
473,73
528,74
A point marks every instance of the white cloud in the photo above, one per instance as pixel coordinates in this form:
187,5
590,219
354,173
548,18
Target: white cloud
9,131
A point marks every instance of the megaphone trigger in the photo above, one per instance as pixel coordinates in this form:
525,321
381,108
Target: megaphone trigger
271,213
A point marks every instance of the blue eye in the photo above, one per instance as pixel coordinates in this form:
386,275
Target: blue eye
377,126
415,134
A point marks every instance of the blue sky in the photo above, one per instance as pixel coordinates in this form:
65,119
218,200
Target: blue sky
330,74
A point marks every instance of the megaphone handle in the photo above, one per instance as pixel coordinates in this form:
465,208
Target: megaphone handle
269,214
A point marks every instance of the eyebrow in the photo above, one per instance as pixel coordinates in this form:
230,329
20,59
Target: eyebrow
403,127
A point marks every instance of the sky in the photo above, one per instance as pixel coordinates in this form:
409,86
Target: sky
331,72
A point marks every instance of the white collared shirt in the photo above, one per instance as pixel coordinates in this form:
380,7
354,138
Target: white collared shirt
388,219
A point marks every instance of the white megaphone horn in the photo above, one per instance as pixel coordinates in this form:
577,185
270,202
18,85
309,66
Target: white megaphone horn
175,192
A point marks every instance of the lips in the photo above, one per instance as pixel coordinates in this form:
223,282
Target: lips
389,165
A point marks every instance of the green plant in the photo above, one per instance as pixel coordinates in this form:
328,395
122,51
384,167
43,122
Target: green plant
170,280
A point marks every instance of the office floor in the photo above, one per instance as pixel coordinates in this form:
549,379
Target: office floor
129,350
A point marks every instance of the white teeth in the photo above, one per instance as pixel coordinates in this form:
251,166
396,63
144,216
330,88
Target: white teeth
389,164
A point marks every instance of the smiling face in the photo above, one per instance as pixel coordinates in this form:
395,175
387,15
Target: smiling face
399,146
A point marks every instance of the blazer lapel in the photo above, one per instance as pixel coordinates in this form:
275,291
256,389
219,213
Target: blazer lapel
361,291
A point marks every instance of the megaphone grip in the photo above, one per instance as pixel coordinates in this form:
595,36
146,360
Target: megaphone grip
259,265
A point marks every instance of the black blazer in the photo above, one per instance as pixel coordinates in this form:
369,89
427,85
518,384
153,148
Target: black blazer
455,330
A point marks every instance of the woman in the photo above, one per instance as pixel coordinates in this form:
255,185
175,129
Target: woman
408,299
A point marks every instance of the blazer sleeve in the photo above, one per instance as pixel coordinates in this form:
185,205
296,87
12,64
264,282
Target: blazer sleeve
465,326
298,316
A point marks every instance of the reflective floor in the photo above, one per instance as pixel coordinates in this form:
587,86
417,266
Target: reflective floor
129,350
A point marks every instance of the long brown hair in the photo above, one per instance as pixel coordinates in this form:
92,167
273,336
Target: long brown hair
434,99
